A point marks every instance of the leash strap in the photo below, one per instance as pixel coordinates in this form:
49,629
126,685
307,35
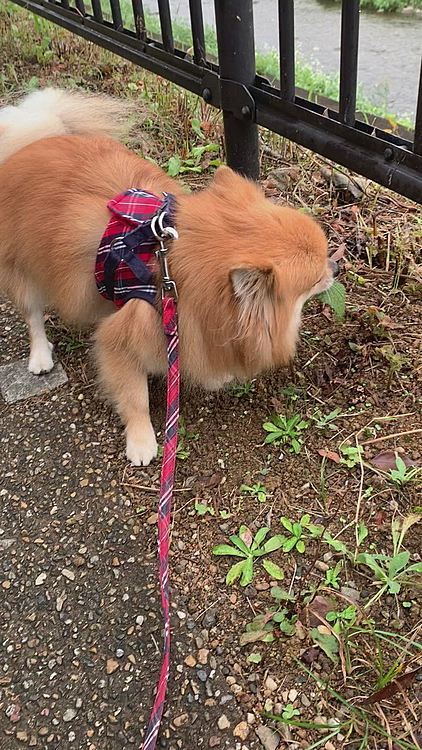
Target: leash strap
164,507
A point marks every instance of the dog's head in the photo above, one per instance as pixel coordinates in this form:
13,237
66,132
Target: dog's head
244,267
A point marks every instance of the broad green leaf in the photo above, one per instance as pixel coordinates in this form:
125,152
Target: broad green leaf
286,523
272,544
173,166
297,530
272,437
240,544
300,546
280,595
270,427
225,549
289,544
235,572
255,657
247,573
335,297
362,533
334,543
273,570
365,559
260,536
327,642
394,587
196,127
304,521
397,563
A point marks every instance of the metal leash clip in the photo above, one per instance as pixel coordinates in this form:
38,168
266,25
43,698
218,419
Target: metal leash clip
161,233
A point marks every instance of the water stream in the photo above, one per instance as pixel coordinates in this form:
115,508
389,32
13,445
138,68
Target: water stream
389,52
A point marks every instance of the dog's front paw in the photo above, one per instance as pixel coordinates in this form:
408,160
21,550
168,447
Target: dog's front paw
41,360
141,447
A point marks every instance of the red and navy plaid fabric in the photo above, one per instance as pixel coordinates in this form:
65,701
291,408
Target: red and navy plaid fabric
125,266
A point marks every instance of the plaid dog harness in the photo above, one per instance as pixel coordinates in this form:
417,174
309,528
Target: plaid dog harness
125,266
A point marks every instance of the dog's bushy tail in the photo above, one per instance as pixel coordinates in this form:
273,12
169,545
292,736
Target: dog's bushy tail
51,112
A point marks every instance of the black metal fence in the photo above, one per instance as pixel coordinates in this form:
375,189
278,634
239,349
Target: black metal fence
248,100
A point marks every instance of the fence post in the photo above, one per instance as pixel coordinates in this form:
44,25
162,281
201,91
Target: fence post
236,56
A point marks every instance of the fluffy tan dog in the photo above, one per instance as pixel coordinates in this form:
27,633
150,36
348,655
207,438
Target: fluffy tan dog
243,266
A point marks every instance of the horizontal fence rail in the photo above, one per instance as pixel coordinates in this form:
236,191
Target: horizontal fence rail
249,100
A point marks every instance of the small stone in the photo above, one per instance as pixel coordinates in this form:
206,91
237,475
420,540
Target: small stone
223,722
40,579
60,601
269,740
241,730
78,702
119,653
79,561
22,736
203,655
181,615
293,695
202,675
17,383
179,721
43,731
329,746
250,718
209,618
270,684
305,701
322,566
111,666
351,593
139,620
214,741
190,661
69,714
6,584
69,574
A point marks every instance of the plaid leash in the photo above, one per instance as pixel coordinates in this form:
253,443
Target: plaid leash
166,485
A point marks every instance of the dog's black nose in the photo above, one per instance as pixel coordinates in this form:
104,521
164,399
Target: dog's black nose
334,267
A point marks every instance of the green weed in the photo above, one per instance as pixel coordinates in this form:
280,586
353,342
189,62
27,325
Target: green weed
286,431
249,548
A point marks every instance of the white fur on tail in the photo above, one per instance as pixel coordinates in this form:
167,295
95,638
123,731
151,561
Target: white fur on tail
52,112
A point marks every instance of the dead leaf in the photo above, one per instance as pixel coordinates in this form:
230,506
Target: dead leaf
211,480
252,637
315,612
310,655
386,460
395,686
339,253
331,455
246,536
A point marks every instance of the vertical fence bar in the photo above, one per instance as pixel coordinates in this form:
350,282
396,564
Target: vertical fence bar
165,22
197,26
116,14
80,7
64,3
349,60
236,56
417,145
97,10
139,19
286,30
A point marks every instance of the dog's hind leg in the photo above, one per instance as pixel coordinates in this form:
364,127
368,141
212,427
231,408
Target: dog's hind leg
129,344
40,356
31,305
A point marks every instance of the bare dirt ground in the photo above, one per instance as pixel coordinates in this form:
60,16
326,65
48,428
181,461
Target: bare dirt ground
81,623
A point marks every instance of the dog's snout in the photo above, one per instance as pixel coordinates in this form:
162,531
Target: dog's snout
334,267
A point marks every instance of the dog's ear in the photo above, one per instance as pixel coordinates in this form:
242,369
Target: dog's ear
254,291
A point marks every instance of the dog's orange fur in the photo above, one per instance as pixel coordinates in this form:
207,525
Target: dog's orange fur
243,268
